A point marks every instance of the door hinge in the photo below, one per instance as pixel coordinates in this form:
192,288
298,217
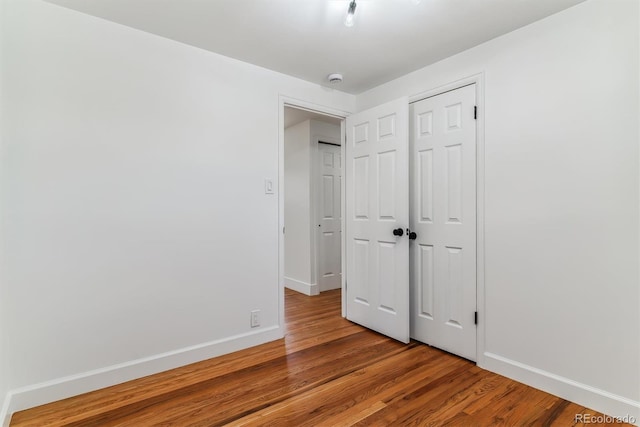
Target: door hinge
475,112
475,318
282,230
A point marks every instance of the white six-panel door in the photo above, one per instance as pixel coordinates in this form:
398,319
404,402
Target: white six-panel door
377,203
443,215
329,217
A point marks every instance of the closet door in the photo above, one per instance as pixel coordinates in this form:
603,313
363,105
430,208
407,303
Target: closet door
329,236
443,216
377,215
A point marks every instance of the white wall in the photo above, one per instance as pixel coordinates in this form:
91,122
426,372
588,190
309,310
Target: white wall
133,201
562,309
3,300
322,131
297,209
300,158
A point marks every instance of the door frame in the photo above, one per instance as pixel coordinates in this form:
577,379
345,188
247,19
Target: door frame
478,80
286,101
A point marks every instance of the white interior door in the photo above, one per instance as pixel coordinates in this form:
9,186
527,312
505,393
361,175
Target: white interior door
443,215
377,193
329,217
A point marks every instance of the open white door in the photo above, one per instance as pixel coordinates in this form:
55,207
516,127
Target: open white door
377,216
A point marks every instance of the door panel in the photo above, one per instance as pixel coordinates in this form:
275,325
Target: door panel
443,214
377,193
329,221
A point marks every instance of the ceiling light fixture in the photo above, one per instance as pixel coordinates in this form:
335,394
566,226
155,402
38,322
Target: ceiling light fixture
350,12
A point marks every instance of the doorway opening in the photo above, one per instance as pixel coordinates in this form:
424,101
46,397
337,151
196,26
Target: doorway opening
311,200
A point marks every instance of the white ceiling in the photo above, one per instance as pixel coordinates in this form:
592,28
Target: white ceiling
308,39
293,116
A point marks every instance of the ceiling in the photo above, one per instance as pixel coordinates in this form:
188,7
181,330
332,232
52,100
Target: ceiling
293,116
308,38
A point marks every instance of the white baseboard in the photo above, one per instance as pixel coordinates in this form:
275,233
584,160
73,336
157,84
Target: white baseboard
582,394
61,388
330,285
302,287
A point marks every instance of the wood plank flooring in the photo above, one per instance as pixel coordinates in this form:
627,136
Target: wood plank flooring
327,371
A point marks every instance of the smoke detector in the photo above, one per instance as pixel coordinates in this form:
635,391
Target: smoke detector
334,78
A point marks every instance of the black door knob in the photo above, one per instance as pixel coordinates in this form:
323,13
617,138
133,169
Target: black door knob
398,232
412,235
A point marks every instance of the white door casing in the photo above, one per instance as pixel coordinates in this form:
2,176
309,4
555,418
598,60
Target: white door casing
377,193
329,217
443,214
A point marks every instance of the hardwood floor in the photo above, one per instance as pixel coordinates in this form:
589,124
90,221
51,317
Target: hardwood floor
327,371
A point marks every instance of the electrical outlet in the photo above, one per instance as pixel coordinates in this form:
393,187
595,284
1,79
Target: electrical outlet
255,318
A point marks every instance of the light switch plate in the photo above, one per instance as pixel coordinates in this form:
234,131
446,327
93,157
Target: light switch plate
268,186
